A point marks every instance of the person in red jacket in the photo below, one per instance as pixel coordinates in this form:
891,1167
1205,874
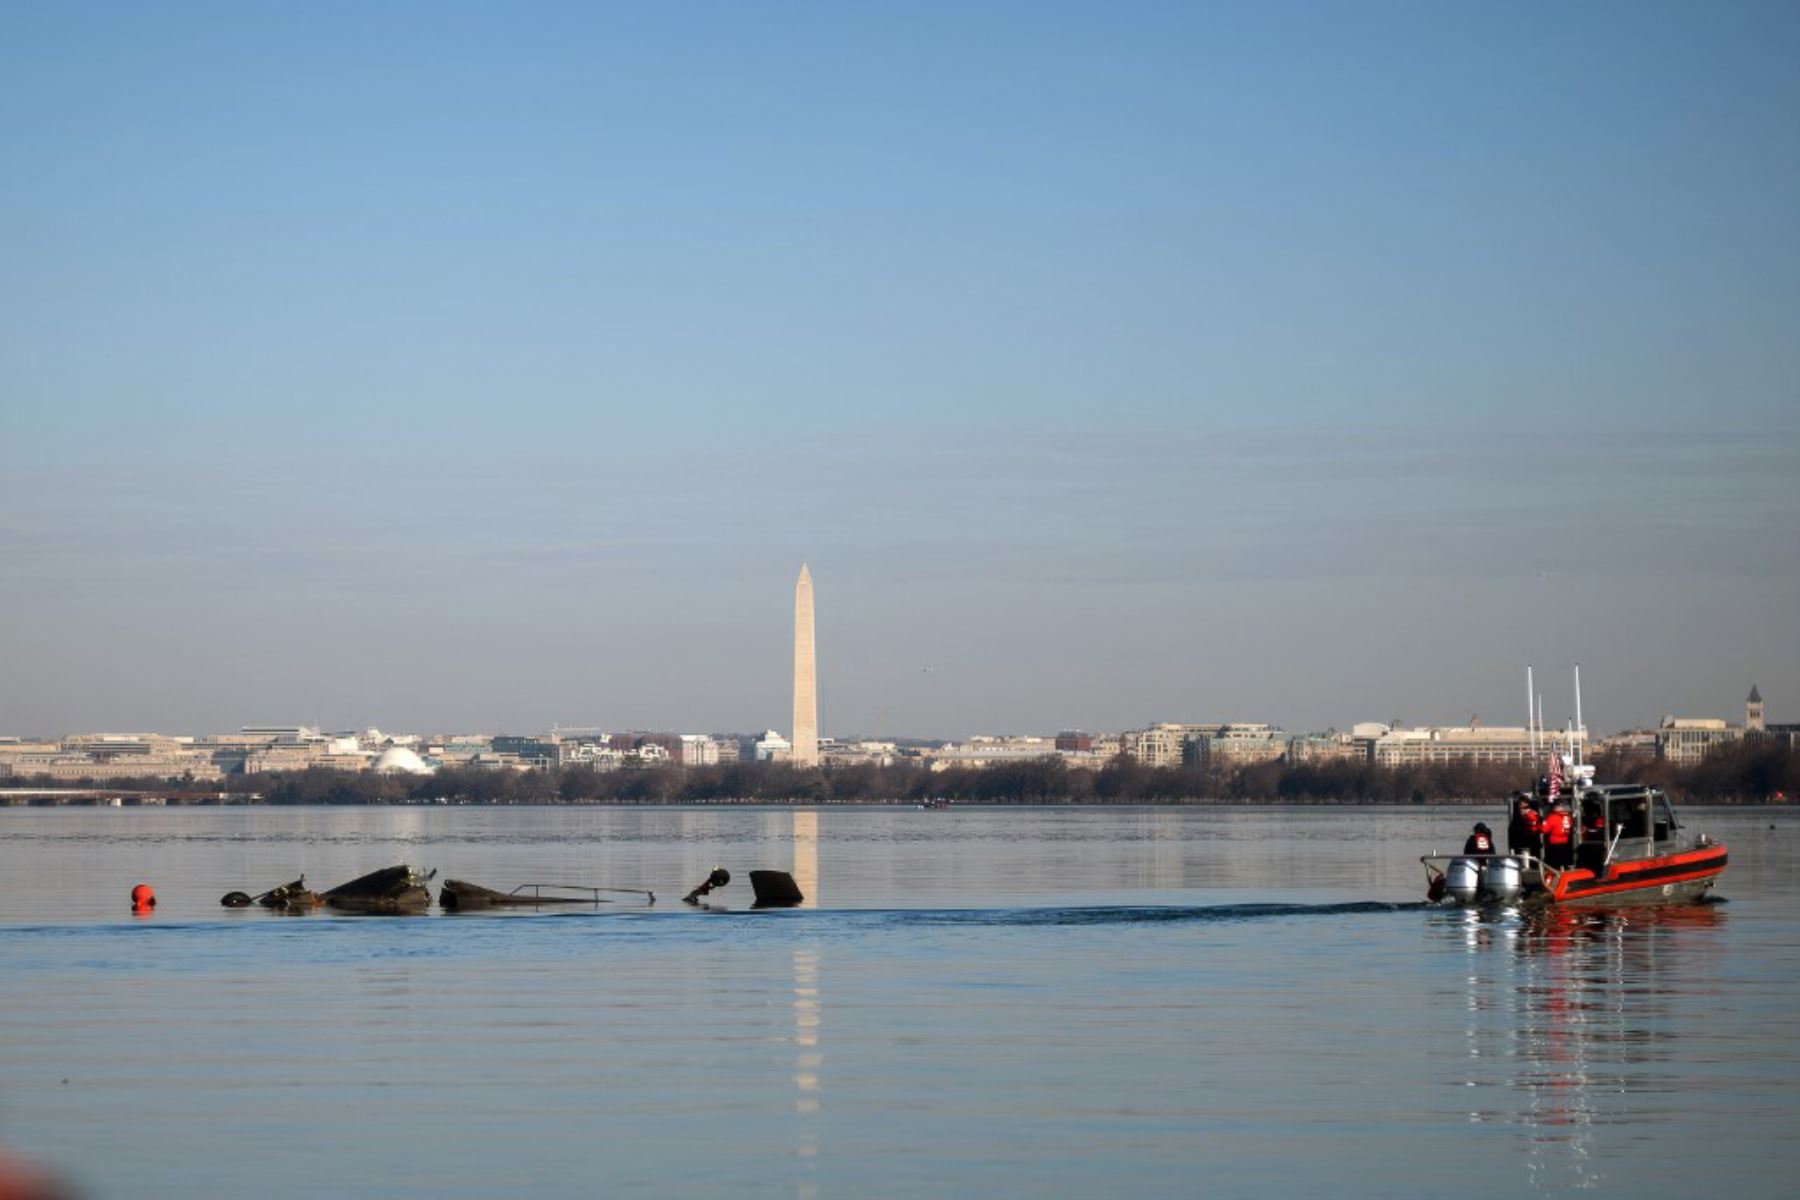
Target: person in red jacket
1559,839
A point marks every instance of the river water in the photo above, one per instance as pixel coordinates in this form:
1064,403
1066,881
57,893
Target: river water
1032,1002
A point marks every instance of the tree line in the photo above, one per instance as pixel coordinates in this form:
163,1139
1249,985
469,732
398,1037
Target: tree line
1751,772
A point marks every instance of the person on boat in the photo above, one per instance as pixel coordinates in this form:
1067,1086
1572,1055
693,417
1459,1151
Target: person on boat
1559,836
1481,841
1524,833
1593,819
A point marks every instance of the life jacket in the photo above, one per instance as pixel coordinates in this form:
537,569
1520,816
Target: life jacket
1479,843
1557,827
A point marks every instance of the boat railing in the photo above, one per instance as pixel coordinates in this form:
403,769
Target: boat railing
1528,862
1525,857
536,890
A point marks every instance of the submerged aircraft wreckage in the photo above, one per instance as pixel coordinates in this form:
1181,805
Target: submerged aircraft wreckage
401,890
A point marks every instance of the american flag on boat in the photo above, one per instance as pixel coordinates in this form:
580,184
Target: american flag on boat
1555,776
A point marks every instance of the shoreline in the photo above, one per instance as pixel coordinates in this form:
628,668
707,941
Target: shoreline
1450,802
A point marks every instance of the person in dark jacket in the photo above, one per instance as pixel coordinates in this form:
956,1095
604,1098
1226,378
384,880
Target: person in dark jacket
1524,832
1480,842
1593,820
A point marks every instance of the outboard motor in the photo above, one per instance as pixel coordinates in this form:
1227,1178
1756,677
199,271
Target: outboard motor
1463,880
1500,879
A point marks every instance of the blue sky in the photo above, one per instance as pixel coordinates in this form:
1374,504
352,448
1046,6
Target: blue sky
483,366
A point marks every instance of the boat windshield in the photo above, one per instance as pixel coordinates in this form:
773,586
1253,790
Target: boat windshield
1630,816
1666,824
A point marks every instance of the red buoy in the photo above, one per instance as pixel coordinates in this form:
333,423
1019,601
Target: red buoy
143,898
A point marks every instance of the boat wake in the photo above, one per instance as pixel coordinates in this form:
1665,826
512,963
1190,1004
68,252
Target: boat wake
1132,914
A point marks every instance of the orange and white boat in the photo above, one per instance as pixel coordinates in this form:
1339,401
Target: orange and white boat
1627,847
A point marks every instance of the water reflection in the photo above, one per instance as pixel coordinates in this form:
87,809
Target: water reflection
1570,1012
809,1056
1168,857
809,1062
806,856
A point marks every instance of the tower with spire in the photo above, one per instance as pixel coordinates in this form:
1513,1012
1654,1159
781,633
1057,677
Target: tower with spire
1753,715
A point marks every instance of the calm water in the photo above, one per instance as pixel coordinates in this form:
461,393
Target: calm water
1042,1002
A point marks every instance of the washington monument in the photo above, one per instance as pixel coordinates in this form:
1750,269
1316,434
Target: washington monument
806,696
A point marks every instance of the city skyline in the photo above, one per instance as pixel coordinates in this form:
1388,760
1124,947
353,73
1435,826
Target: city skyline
1115,365
31,766
1751,708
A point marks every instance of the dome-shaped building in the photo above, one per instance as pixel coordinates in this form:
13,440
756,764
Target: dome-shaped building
398,760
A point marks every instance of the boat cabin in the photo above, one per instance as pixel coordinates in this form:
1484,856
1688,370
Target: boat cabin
1622,823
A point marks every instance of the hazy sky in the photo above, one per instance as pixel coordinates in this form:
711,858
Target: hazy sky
454,366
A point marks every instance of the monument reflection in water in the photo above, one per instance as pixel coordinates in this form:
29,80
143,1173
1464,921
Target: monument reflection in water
809,1054
1573,1009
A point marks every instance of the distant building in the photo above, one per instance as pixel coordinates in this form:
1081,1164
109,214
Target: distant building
1473,744
772,747
1327,747
987,751
634,743
537,752
1073,740
697,750
1167,744
1690,739
281,758
1157,746
1632,743
285,735
1785,734
595,754
108,756
870,752
1237,745
398,760
649,754
463,749
1756,730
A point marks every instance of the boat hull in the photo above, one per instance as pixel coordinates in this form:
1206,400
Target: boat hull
1686,876
1678,877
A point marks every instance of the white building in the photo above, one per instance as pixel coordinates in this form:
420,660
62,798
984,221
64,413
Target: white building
398,760
877,753
698,750
989,751
1690,739
1511,745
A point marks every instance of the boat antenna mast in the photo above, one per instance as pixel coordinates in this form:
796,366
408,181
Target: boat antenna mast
1530,715
1579,727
